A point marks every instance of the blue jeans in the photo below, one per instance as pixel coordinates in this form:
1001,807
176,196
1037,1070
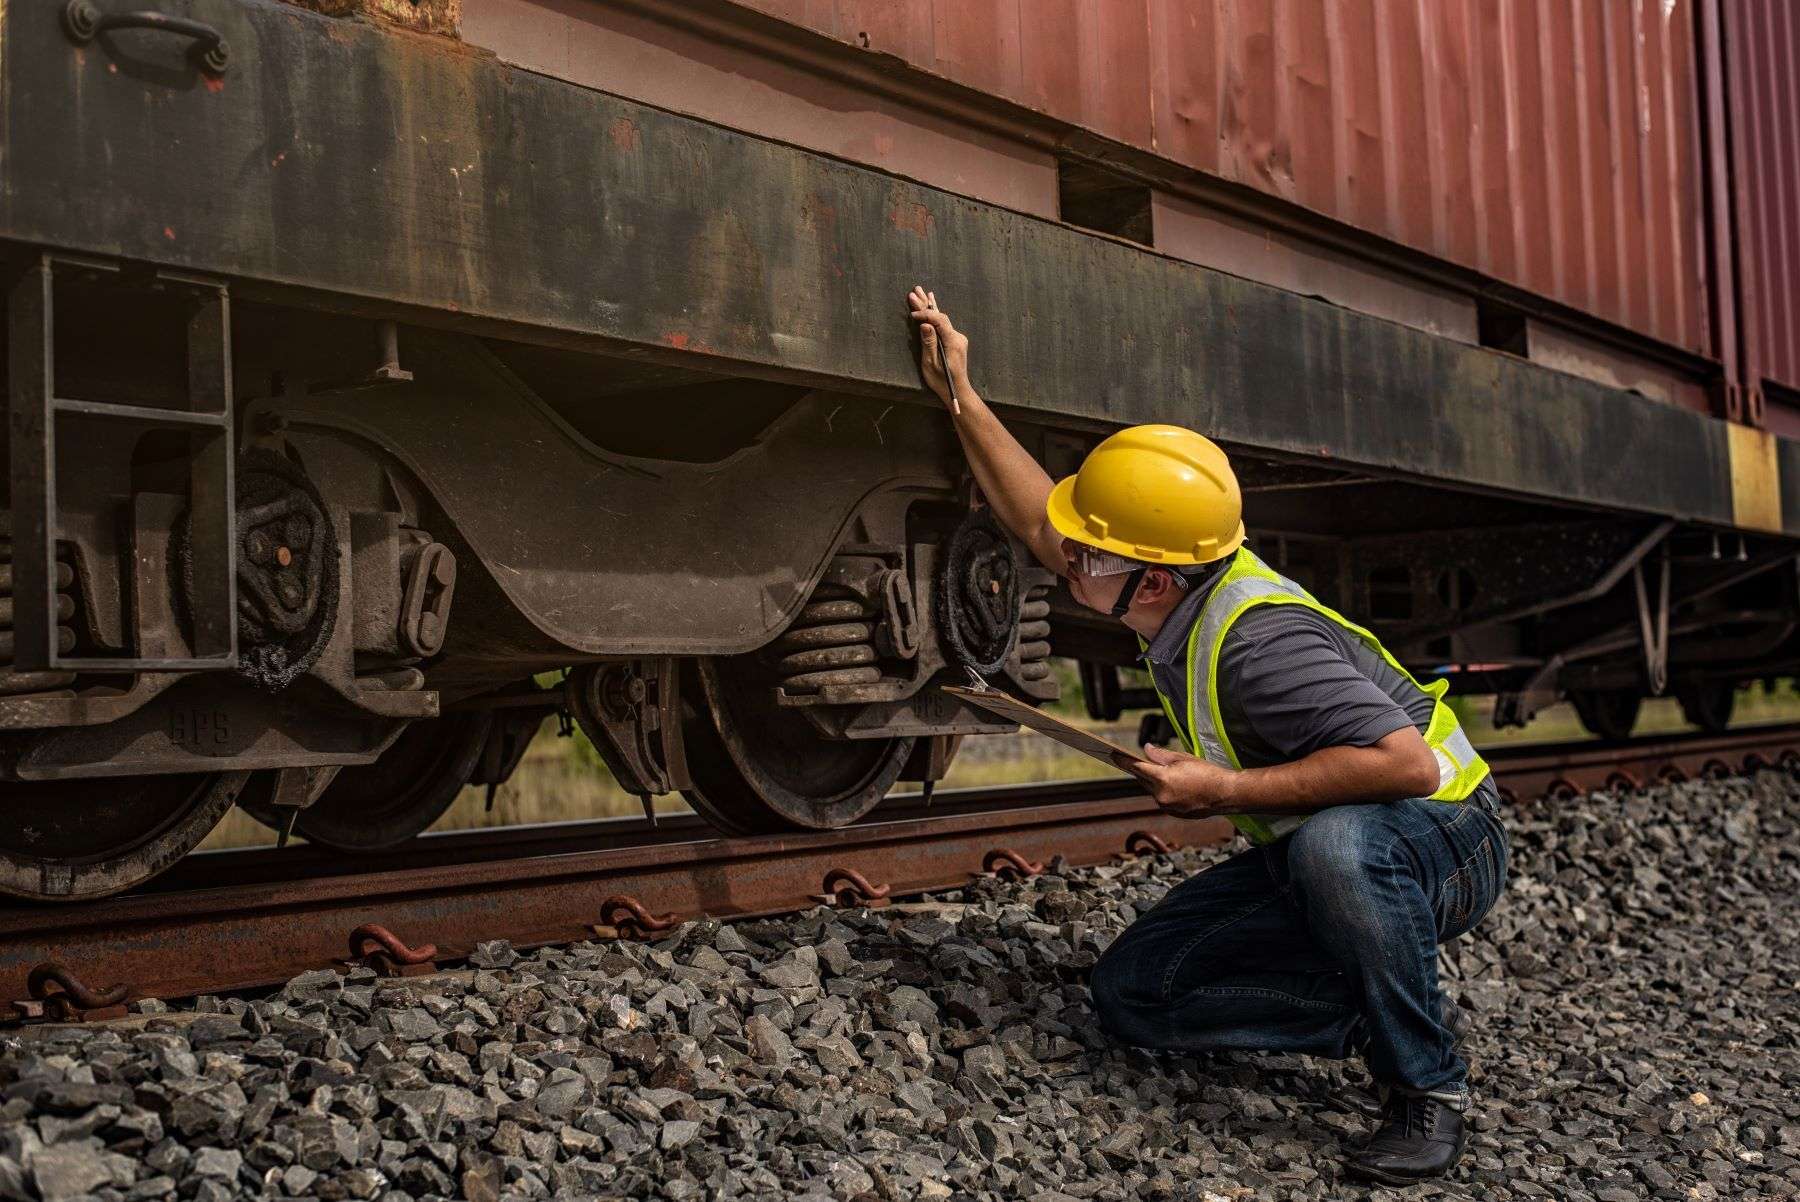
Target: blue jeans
1324,942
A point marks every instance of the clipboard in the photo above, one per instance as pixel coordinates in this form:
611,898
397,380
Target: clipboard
1066,733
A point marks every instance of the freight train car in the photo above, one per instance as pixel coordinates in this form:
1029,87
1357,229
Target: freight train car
368,360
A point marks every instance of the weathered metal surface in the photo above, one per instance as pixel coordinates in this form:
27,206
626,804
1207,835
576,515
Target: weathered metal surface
492,193
1549,143
164,944
437,849
708,65
612,554
237,920
1762,60
426,16
71,999
1755,478
1244,246
1558,771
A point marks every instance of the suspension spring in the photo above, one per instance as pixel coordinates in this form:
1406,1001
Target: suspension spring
13,681
830,643
1034,634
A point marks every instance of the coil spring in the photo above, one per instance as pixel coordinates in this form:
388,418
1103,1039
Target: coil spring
12,681
1034,634
828,644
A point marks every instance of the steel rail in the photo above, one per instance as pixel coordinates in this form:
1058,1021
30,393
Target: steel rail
243,919
1560,771
300,861
237,936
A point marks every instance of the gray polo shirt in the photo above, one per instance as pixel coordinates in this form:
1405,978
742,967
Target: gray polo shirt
1293,681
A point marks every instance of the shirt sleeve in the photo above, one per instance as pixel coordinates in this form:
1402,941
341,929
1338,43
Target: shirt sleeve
1291,680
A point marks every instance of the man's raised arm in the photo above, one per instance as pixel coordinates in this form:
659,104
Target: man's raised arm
1013,482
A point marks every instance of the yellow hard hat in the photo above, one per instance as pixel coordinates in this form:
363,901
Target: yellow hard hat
1156,493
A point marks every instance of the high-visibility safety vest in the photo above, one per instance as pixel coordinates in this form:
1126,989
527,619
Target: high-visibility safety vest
1249,582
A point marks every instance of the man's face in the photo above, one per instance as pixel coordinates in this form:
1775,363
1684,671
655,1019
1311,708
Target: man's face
1098,593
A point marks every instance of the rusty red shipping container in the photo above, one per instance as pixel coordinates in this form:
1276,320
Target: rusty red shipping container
1762,55
1552,144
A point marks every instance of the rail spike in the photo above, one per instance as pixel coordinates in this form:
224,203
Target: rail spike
1621,781
627,915
1562,789
846,887
1005,862
382,950
58,995
1146,843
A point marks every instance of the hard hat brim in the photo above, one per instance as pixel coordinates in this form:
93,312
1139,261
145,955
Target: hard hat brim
1067,521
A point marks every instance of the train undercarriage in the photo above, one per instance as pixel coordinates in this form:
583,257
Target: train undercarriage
747,589
331,478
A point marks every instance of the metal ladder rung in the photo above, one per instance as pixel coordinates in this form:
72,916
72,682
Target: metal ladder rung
156,416
34,411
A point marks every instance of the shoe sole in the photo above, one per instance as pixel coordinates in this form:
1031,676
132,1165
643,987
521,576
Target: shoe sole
1381,1177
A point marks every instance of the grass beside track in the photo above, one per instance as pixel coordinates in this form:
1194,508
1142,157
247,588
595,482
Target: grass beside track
563,779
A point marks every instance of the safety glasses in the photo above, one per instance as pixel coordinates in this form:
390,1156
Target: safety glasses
1091,561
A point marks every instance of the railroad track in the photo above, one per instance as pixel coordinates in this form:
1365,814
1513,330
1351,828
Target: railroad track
243,919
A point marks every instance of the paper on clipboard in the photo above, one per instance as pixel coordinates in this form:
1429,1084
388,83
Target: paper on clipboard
1066,733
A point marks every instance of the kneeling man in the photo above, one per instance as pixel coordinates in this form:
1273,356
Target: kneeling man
1372,821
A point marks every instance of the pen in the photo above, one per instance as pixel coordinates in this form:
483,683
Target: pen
944,362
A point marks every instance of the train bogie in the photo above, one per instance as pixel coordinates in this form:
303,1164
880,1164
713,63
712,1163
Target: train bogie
492,395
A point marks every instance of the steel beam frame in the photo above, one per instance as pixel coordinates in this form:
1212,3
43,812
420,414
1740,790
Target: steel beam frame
495,199
35,418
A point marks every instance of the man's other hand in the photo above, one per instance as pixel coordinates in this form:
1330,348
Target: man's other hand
934,325
1185,785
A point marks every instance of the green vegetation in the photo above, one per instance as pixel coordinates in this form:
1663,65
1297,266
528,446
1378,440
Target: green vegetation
563,778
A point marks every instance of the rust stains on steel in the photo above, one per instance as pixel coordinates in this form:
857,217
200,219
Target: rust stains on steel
424,16
388,955
1146,843
56,994
1555,146
1622,781
262,926
626,914
1558,771
1761,49
1005,862
847,888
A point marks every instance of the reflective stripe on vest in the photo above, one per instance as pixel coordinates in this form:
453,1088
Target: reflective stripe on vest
1248,582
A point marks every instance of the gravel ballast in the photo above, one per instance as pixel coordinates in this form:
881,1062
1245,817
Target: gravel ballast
1635,996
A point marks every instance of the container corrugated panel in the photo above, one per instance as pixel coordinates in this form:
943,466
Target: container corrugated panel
1553,144
1763,66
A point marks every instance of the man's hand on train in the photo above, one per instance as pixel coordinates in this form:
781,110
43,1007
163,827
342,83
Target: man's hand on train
1185,785
934,325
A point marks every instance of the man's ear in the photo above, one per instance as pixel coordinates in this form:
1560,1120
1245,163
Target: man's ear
1156,585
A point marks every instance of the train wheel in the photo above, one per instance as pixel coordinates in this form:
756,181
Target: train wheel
1607,713
74,840
1707,703
758,768
371,807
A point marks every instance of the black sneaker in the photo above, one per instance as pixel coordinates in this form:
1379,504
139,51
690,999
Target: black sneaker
1419,1137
